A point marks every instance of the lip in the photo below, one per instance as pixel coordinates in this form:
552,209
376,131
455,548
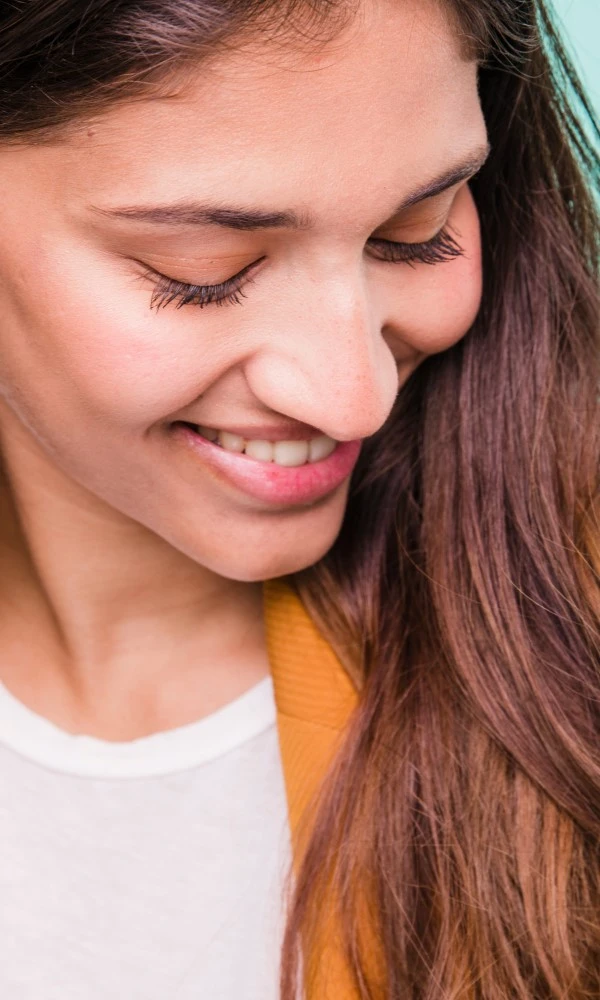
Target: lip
268,482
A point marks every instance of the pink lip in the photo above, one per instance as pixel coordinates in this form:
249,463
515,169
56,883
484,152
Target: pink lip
271,483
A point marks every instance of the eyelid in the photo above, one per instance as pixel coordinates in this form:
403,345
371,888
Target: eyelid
152,272
167,290
440,247
439,208
149,271
399,244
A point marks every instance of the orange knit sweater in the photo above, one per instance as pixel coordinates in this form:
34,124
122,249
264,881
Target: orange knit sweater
314,698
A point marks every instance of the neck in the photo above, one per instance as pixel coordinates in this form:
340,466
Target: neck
104,627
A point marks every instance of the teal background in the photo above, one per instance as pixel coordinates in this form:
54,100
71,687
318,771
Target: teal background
579,21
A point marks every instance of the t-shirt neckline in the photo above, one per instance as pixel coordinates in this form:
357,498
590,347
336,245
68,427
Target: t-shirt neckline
41,741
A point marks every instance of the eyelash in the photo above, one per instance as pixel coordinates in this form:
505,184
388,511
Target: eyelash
441,247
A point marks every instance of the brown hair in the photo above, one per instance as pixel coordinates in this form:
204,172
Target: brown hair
462,591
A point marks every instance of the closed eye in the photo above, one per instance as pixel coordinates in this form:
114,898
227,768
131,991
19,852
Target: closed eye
439,248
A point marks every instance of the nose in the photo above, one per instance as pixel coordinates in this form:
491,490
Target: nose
327,362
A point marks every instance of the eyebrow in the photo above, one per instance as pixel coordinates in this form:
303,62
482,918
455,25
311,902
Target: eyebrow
191,213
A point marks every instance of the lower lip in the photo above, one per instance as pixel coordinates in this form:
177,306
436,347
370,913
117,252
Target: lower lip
271,483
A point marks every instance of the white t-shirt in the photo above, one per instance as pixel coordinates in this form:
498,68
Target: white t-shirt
143,870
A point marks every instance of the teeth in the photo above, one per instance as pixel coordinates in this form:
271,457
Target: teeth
320,447
264,451
286,453
290,453
209,433
230,442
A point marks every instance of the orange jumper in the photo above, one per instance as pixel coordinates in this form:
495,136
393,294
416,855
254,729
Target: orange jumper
314,698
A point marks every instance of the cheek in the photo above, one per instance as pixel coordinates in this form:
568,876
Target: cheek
87,348
441,301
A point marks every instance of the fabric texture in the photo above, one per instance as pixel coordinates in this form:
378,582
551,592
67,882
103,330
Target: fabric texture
314,698
144,870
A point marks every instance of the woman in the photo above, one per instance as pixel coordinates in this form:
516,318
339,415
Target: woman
359,244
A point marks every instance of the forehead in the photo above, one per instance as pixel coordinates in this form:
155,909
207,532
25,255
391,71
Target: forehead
391,98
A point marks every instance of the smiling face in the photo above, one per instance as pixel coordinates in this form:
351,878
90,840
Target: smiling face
337,148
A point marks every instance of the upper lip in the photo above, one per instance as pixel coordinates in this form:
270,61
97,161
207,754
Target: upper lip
264,432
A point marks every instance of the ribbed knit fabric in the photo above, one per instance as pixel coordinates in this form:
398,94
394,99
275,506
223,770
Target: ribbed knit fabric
314,698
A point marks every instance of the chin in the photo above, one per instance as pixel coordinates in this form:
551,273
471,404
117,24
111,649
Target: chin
279,557
268,566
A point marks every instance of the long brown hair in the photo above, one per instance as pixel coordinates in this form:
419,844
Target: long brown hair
462,591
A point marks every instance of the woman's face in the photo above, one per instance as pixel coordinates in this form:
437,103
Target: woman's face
334,145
